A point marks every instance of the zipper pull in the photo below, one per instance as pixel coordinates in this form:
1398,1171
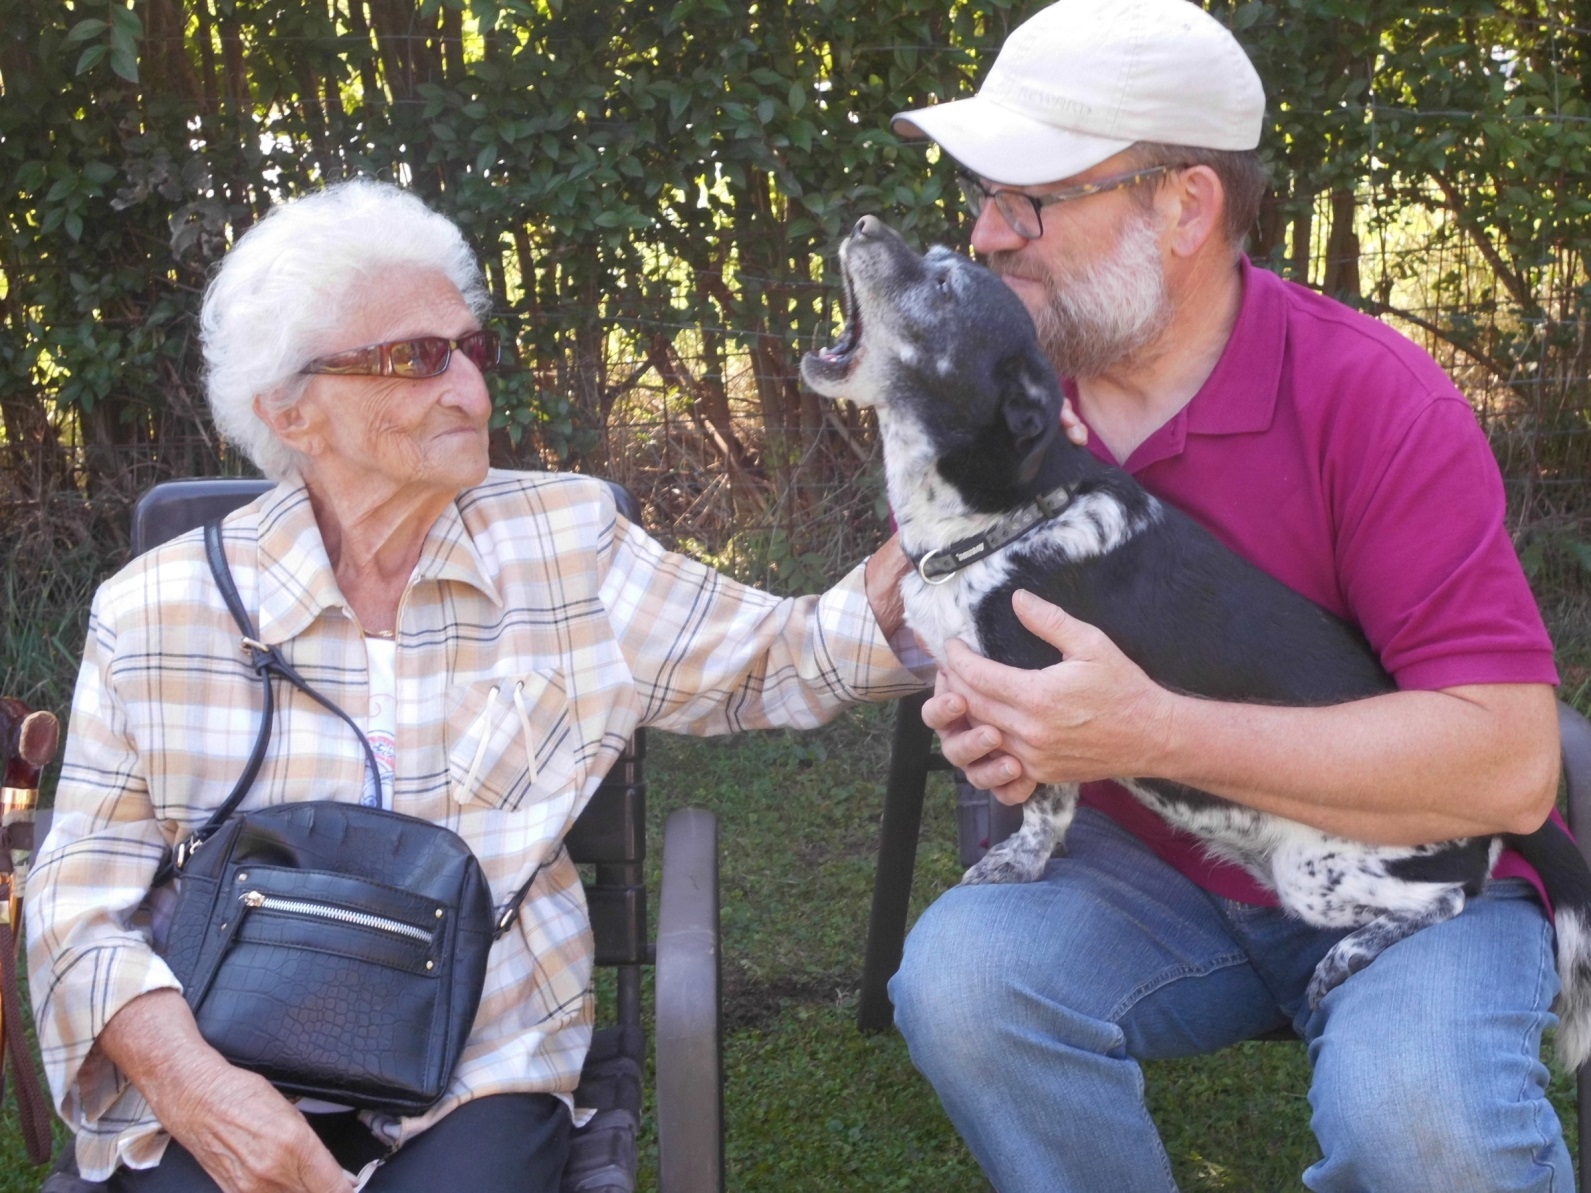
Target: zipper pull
252,899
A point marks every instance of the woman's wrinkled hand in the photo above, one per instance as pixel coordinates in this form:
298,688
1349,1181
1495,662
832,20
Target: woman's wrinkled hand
246,1135
251,1139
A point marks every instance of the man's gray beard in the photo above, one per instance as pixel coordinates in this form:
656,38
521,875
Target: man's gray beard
1107,312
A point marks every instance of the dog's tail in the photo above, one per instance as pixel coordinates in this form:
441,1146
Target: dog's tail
1567,879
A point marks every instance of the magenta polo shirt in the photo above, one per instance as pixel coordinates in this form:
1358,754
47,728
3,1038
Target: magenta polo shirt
1333,453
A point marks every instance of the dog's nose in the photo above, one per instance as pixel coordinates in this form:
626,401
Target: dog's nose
868,225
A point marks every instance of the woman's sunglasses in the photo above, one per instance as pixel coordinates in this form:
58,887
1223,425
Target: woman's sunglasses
425,356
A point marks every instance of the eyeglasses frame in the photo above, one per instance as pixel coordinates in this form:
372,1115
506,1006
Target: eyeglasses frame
375,360
972,185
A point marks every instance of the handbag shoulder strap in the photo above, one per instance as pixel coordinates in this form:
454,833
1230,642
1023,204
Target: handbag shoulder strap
266,661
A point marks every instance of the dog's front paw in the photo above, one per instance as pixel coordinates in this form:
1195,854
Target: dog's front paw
1344,960
1013,860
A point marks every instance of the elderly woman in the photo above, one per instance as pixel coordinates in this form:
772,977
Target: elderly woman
499,636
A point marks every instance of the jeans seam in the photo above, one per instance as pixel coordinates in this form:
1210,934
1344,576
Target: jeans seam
1166,977
1543,1105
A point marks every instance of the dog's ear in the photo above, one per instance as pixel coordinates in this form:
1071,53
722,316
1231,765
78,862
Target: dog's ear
1032,413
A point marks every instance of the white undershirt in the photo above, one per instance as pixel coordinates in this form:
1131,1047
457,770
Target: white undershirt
381,720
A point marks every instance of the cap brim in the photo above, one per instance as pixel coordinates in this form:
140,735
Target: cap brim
1005,146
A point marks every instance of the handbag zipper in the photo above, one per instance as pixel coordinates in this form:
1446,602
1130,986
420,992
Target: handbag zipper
260,901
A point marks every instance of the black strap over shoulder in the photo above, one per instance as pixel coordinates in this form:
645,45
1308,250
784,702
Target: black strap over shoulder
268,661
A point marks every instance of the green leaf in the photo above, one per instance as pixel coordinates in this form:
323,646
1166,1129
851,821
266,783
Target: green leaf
126,20
74,225
798,98
99,173
84,30
124,62
90,58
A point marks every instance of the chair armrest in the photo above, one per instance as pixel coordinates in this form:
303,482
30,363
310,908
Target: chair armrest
1574,732
690,1096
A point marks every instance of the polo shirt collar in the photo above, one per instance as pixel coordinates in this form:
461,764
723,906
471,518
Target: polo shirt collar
1239,396
296,581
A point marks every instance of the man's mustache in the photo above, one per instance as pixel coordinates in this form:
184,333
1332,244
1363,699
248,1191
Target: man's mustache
1004,263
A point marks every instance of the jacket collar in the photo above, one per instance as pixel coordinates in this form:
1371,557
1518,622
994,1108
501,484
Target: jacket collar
296,582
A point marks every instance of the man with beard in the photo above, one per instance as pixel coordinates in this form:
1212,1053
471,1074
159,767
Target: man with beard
1109,162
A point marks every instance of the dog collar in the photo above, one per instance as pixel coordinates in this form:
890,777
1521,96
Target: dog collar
941,563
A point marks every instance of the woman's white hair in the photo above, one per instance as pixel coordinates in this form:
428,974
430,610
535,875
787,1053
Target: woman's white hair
277,301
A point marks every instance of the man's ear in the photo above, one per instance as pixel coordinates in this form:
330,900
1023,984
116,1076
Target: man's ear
1200,205
1032,414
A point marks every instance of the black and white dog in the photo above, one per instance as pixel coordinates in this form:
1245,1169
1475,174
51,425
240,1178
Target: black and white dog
990,497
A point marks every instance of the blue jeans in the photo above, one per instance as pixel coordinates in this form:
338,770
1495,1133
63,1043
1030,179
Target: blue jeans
1029,1008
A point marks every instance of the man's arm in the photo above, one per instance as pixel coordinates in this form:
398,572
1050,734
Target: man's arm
1404,768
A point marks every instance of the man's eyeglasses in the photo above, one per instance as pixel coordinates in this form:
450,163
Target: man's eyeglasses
1021,211
424,356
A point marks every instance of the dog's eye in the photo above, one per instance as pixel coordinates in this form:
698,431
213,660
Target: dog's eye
943,282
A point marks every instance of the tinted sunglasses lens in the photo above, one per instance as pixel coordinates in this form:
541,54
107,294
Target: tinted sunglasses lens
483,348
425,357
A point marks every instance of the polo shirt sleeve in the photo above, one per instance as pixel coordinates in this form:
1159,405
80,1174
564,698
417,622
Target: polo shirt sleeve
710,655
89,946
1427,566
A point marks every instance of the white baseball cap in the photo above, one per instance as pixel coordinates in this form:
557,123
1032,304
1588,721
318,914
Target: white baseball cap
1084,79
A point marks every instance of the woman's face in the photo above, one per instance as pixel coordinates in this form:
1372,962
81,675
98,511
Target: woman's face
390,435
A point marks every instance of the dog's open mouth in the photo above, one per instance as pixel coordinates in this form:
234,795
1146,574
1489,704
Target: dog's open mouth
839,356
851,334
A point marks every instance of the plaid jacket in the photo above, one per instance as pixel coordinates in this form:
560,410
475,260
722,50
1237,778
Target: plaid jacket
530,589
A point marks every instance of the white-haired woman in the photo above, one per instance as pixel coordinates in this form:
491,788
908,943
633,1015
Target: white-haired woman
445,608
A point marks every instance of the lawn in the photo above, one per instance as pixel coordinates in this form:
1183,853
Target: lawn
812,1104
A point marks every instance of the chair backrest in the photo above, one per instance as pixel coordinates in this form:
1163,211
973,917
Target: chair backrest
174,507
611,832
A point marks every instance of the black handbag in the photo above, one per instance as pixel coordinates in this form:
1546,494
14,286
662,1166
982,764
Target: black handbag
337,950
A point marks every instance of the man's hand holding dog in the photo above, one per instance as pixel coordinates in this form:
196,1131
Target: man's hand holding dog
1402,768
1094,715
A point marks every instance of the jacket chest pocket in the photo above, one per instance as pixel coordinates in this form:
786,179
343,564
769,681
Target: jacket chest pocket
509,739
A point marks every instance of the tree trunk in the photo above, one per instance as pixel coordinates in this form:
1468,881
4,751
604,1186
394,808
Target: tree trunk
1342,249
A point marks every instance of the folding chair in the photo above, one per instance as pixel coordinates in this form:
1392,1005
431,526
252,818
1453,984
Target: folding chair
610,836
